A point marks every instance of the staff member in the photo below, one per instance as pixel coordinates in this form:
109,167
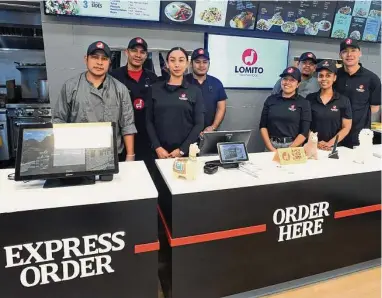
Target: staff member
307,66
286,117
138,81
361,86
214,95
95,96
331,111
175,115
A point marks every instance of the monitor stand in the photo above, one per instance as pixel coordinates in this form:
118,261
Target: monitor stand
73,181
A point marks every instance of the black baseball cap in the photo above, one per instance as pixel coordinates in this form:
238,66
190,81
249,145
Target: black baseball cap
137,41
99,46
349,43
200,52
327,64
292,71
308,56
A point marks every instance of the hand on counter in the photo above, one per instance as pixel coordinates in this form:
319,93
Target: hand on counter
162,153
327,146
130,157
176,153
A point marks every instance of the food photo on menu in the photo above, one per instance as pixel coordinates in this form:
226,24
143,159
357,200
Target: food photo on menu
360,20
297,17
241,14
178,12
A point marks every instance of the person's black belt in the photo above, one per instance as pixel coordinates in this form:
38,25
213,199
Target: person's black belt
282,140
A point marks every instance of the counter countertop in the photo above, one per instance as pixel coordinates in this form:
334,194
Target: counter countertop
126,186
268,172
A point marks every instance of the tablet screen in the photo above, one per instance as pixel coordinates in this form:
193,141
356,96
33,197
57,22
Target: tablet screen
232,152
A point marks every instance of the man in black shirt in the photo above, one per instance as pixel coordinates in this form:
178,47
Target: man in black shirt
138,81
361,86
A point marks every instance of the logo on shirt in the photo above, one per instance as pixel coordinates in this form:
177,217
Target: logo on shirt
183,96
292,108
139,104
334,109
361,88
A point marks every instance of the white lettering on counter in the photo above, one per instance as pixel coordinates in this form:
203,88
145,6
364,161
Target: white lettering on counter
301,221
34,257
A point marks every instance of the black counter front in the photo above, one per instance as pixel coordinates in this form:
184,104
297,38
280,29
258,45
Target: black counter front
92,241
231,232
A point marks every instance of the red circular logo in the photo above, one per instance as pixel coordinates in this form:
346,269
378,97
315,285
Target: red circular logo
290,70
100,45
139,104
201,52
360,86
348,41
139,40
249,57
310,55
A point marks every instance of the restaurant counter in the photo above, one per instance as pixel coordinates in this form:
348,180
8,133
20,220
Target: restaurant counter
89,241
233,232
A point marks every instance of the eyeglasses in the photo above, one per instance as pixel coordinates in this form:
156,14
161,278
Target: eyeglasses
98,57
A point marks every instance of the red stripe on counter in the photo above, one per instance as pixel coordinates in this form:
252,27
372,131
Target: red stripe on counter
357,211
209,236
141,248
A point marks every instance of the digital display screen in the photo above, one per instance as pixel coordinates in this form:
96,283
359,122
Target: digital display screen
232,152
120,9
229,14
67,149
249,63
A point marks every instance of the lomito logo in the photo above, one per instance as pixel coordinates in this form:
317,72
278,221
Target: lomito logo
249,57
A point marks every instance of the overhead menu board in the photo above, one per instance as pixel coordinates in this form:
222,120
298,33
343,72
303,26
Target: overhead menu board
296,17
231,14
121,9
360,20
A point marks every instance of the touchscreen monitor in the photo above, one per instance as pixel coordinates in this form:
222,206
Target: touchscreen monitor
66,150
232,152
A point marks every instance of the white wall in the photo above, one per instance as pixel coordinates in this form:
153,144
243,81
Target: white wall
66,44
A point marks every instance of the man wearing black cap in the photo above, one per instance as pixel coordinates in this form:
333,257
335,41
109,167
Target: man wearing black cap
94,96
307,66
331,111
138,80
286,116
214,96
361,86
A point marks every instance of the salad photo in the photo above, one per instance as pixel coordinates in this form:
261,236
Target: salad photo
211,15
289,27
64,7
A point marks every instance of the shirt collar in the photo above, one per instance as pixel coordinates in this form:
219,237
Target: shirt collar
184,84
336,96
358,72
280,96
104,83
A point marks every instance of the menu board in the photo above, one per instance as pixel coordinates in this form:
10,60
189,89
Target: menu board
231,14
296,17
359,20
121,9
